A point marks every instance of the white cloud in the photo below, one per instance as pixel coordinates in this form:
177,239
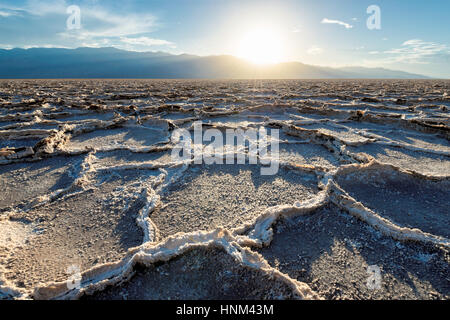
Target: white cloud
99,23
42,8
330,21
6,46
5,14
314,50
416,51
99,26
297,29
146,41
44,46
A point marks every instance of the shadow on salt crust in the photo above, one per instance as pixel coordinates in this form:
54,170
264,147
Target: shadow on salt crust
198,274
331,250
23,182
421,162
405,199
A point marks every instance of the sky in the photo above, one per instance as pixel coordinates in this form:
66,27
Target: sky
412,35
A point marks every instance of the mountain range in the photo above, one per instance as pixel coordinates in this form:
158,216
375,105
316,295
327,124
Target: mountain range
45,63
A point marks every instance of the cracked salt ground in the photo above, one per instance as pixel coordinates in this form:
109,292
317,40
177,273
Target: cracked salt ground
421,162
17,143
125,157
403,137
405,199
348,136
38,126
336,250
83,229
199,274
102,204
247,128
307,154
178,116
80,117
24,182
236,121
115,138
209,196
276,113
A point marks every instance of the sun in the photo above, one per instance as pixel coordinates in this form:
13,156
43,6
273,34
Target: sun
261,45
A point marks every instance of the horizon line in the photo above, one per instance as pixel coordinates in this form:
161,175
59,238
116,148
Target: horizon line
419,76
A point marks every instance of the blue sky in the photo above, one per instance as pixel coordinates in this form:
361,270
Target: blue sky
414,34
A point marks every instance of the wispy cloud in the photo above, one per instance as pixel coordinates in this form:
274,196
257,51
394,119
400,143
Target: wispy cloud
146,42
5,14
415,51
97,22
314,50
330,21
43,46
42,8
99,26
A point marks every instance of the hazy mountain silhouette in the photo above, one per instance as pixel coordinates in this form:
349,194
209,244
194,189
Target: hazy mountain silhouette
115,63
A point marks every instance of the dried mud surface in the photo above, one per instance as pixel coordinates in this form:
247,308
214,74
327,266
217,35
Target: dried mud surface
91,195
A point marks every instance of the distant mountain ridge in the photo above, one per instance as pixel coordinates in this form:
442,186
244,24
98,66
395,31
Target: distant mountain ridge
115,63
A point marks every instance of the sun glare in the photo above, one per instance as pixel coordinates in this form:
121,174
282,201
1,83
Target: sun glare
261,46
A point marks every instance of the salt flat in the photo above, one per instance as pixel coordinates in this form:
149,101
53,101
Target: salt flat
89,183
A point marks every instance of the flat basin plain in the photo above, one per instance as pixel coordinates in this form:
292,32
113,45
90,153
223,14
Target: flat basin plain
93,206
